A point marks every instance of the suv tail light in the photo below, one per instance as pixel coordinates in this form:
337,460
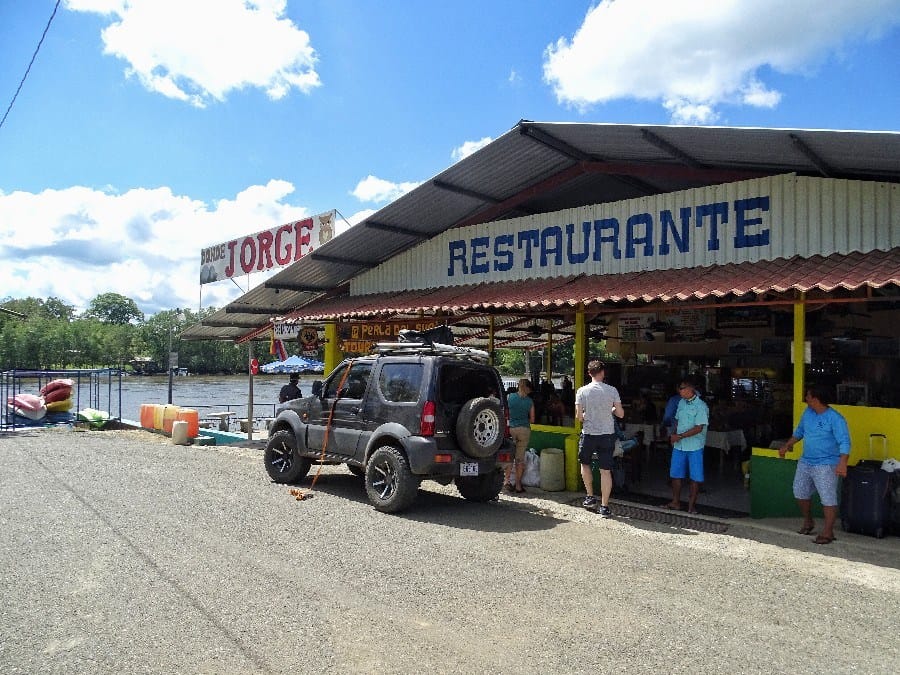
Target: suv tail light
426,427
506,414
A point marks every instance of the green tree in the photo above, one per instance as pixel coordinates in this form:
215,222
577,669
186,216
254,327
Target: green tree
113,308
510,361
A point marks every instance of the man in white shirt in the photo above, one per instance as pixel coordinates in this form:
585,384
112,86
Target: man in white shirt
595,405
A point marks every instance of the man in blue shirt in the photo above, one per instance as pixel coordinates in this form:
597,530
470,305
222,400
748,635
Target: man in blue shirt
826,449
688,440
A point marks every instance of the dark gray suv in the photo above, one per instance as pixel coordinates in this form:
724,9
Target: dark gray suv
409,412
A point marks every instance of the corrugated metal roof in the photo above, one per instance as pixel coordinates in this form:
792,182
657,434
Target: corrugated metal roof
538,167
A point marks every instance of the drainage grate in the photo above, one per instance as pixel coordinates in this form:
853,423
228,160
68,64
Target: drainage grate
673,519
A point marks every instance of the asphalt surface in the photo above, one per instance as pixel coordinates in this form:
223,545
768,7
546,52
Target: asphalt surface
122,553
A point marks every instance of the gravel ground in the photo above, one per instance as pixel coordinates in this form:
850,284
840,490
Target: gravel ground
122,553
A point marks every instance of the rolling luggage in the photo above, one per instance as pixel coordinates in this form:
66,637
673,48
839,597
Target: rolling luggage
866,495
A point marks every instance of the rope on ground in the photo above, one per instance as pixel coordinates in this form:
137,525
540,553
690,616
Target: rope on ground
296,493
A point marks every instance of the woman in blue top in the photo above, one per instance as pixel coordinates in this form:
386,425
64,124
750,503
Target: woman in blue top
521,417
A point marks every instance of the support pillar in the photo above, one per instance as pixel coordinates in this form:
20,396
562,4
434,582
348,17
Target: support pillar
333,353
799,360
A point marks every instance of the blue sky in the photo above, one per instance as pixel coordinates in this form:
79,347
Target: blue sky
149,129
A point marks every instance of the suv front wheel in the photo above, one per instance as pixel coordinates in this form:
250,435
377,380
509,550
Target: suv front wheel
390,484
282,462
481,488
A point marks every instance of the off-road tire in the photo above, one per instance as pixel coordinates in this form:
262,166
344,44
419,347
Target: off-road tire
283,463
481,488
390,485
480,427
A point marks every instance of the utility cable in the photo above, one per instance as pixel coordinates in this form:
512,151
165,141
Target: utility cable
28,69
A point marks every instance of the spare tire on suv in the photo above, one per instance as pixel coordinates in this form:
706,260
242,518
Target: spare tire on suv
480,427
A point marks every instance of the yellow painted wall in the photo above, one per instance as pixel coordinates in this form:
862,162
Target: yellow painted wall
862,421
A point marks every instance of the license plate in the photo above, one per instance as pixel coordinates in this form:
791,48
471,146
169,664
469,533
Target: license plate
468,469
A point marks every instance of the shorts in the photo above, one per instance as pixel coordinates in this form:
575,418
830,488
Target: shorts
687,462
819,478
601,444
521,435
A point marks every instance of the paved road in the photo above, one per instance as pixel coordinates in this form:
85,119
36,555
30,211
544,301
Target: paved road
121,553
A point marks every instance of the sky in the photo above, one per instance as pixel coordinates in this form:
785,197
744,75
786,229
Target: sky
148,130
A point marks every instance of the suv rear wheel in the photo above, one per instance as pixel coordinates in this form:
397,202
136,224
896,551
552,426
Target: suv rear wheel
481,488
283,464
480,427
390,484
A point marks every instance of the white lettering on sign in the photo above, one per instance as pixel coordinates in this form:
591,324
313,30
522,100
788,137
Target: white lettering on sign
286,331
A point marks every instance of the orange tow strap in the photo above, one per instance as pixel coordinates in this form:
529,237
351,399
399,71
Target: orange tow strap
296,493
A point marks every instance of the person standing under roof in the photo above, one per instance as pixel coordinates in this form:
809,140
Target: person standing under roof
290,391
521,417
826,449
688,441
595,405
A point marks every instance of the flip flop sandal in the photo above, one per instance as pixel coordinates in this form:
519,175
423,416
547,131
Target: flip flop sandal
520,490
806,530
669,507
823,540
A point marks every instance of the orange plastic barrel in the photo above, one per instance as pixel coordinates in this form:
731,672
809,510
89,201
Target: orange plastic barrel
146,415
158,416
170,414
192,417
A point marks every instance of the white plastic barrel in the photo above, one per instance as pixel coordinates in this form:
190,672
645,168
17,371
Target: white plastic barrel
553,473
179,432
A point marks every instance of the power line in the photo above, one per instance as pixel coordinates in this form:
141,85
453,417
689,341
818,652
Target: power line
28,69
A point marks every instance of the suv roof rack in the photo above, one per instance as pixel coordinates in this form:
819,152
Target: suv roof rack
390,348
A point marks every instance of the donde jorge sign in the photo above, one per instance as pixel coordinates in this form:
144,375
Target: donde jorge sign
266,250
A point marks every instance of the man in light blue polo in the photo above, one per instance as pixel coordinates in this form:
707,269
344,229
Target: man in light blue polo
826,449
691,422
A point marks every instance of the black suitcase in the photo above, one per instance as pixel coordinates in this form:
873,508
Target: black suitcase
866,500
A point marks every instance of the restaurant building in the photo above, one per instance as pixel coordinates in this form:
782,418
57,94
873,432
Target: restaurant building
755,259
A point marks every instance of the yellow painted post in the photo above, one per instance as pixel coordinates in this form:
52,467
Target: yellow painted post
333,353
580,353
491,339
550,350
799,361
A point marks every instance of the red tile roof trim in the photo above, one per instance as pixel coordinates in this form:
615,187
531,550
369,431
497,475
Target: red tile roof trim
874,269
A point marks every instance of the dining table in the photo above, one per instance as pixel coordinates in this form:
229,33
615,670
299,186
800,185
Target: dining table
724,440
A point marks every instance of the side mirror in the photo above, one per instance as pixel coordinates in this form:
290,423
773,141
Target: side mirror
317,388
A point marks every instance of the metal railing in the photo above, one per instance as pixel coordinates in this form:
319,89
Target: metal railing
97,388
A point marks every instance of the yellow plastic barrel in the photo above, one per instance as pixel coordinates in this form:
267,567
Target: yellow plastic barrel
158,416
170,414
192,417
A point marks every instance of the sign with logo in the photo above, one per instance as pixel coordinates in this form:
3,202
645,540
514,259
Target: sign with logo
309,341
266,250
358,337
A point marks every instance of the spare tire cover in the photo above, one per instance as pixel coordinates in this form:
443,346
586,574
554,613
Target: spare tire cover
480,427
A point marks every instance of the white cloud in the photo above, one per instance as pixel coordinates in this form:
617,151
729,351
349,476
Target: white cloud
200,50
377,190
353,220
469,147
694,55
145,244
